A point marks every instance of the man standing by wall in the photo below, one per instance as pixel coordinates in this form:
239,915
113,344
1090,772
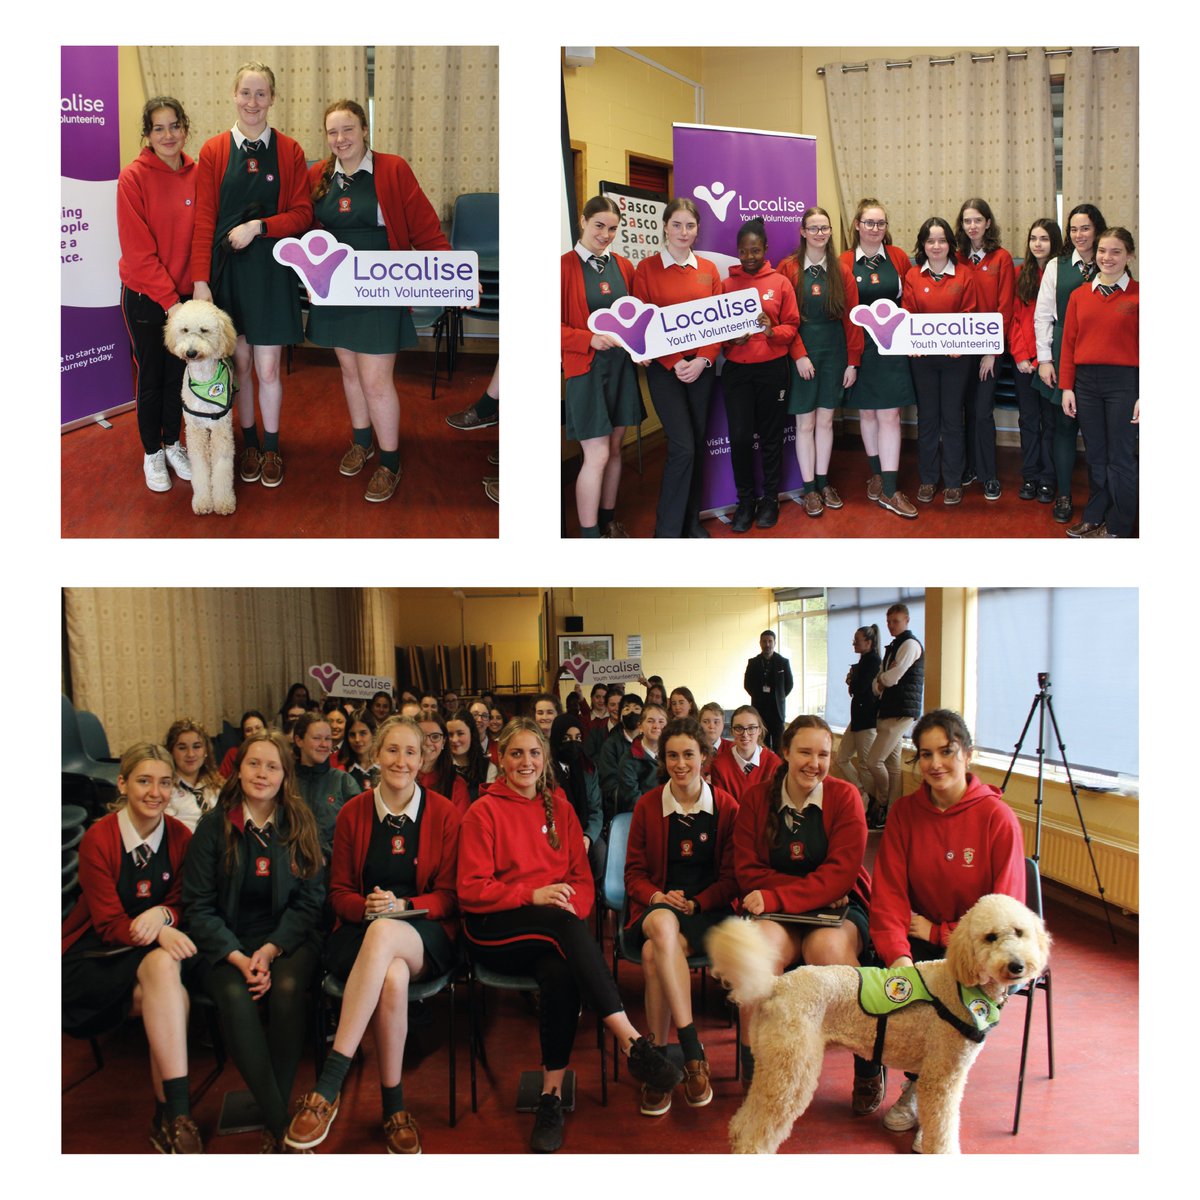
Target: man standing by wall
900,686
768,681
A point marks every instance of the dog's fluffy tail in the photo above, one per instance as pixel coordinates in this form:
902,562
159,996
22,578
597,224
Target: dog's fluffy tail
742,960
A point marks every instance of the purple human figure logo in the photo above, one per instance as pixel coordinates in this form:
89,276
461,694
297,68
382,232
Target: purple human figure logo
317,273
627,321
881,320
325,675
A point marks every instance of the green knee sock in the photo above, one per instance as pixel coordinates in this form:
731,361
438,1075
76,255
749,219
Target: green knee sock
889,482
689,1043
175,1092
393,1099
390,459
250,436
270,443
873,459
363,437
333,1075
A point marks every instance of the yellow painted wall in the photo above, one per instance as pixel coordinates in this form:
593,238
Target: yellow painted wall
132,93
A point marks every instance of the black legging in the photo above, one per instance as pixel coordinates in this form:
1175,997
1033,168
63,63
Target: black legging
267,1061
159,374
559,951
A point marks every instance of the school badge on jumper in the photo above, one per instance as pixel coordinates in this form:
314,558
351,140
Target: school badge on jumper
252,165
262,867
344,204
398,844
143,888
686,848
816,289
969,856
605,288
797,851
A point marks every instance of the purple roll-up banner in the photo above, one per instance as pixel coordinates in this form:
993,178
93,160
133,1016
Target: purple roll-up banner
96,376
734,175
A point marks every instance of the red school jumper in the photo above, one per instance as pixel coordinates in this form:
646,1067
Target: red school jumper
576,337
1099,329
728,772
778,299
951,294
155,216
656,284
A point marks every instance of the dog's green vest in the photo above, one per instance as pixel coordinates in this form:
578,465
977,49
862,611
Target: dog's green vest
883,991
217,390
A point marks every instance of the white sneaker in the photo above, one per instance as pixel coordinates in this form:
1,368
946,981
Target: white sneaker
155,467
177,459
903,1114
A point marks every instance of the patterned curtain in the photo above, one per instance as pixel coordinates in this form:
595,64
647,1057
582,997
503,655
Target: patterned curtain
368,616
439,107
141,657
307,80
1100,134
922,139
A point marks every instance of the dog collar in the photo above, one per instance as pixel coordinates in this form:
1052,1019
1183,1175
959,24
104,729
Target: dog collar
218,390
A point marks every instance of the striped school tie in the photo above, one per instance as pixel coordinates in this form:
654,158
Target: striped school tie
597,264
1106,289
872,261
749,768
815,271
249,147
142,855
263,834
1088,270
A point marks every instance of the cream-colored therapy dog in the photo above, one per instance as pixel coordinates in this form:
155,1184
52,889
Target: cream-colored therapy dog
203,336
997,944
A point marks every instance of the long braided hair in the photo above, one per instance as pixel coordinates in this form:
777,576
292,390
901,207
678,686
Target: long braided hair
355,109
803,721
545,782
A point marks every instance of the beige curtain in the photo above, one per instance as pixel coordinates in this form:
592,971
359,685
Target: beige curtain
368,616
141,657
439,107
1100,133
307,80
924,138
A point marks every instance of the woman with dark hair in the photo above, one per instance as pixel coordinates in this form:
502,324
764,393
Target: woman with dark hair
546,706
296,694
602,393
798,845
941,283
859,735
755,376
1060,278
360,737
381,706
978,239
334,712
579,783
438,773
253,889
155,217
252,722
475,769
679,877
121,944
945,845
680,384
681,704
1099,380
526,890
746,760
369,201
1036,413
396,849
324,788
197,781
251,190
883,386
826,351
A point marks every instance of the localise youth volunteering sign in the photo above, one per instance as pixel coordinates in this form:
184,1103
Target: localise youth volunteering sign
648,331
335,273
352,687
587,671
897,331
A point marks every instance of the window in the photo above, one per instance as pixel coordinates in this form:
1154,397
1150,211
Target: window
804,640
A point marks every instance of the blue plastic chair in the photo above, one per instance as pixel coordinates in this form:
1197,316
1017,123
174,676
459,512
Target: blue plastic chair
75,759
95,740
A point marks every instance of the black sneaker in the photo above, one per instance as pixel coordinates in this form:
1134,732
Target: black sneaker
1029,490
768,513
969,477
1045,493
744,517
547,1125
1064,510
991,489
648,1064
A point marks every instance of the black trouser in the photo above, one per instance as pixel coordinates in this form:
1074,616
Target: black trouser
1104,399
559,951
756,401
940,382
1063,450
159,374
683,410
1036,422
267,1061
772,729
980,405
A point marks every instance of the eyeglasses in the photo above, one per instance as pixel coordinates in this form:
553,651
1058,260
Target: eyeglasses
746,728
821,228
873,224
433,737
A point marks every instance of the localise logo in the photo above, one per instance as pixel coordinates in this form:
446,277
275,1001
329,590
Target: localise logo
896,331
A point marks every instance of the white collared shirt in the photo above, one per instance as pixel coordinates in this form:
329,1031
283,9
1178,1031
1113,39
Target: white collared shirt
816,796
668,261
948,269
586,254
247,817
650,754
411,809
671,805
1122,283
131,839
822,262
753,760
240,138
859,252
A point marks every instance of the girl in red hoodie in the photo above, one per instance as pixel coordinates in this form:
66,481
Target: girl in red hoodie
756,379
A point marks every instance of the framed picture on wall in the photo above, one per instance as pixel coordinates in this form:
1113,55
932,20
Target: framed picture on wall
595,647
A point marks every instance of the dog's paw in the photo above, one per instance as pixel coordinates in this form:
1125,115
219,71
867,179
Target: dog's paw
201,508
226,508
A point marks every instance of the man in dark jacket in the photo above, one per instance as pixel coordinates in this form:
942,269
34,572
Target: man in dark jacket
768,680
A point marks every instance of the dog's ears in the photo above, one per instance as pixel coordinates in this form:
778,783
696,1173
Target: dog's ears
228,336
960,953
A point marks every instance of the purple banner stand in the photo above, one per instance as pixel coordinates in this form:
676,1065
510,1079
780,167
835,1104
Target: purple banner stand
734,175
95,369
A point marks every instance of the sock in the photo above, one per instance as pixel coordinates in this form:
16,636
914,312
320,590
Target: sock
270,442
250,436
822,482
889,482
176,1093
689,1043
393,1099
159,1111
589,531
810,486
390,459
486,407
873,459
333,1075
864,1069
606,517
362,437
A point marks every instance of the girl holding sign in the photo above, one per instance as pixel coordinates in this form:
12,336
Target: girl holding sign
155,215
680,384
1060,278
369,201
826,351
602,393
978,239
1100,382
252,188
756,379
884,385
940,284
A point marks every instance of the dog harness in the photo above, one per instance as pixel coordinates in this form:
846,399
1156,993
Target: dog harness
217,390
884,991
